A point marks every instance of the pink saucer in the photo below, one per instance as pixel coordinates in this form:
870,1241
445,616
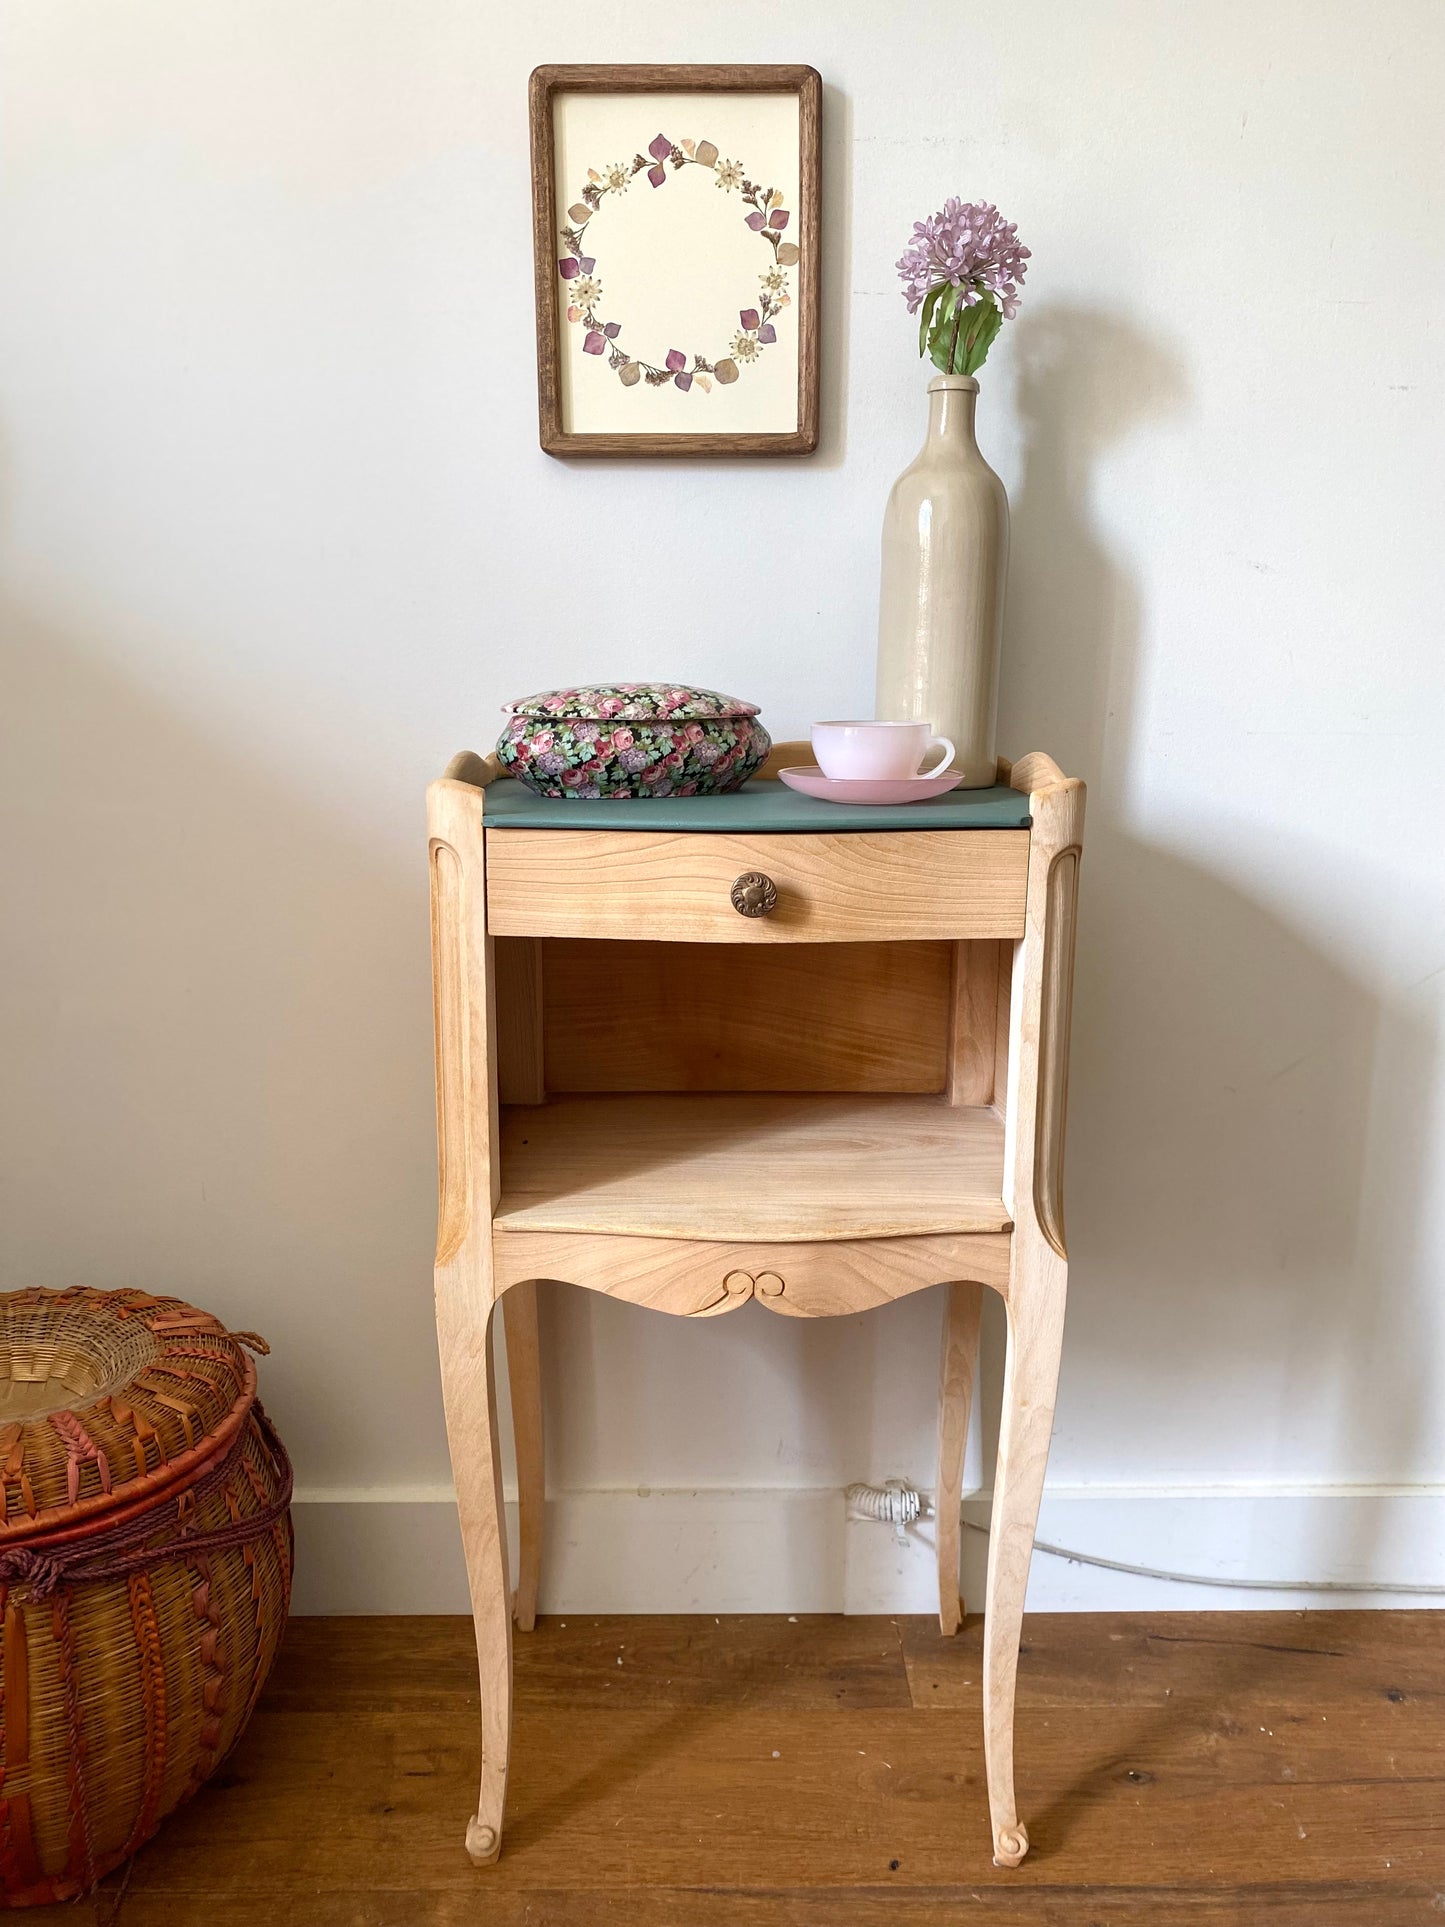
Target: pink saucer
870,789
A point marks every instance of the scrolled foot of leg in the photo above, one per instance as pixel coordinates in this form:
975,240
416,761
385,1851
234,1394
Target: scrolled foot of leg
1010,1844
484,1843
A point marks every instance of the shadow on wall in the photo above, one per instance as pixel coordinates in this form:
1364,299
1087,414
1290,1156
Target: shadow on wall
1246,1120
837,289
218,1060
218,1079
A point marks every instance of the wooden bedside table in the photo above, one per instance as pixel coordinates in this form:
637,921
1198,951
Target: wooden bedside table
694,1051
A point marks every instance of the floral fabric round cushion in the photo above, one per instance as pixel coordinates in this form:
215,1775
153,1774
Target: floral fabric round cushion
632,739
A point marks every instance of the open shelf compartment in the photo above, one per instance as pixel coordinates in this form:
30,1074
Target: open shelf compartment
780,1167
830,1091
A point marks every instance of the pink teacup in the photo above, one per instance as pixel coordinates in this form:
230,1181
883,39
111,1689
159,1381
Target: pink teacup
878,750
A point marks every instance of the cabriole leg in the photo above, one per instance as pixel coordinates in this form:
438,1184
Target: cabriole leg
1031,1376
962,1314
469,1393
524,1376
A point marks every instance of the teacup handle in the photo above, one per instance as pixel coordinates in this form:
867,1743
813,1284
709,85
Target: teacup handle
944,760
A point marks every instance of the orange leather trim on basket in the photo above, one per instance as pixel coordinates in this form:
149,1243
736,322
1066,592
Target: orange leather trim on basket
12,1445
17,1689
124,1414
77,1521
17,1837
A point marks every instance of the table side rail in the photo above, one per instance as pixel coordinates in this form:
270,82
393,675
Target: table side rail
692,1278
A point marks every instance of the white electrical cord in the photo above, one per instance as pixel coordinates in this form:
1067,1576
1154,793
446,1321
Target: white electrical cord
1241,1585
893,1504
899,1504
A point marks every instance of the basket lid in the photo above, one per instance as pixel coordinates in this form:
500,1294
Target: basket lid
107,1400
631,702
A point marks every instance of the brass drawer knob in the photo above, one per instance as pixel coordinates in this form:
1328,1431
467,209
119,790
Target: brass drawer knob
754,895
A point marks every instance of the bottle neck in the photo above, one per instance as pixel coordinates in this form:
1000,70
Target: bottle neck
951,416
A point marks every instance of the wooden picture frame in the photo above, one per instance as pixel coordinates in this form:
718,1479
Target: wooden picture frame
598,375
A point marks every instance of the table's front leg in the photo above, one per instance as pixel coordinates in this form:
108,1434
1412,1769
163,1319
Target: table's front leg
465,1294
1031,1377
470,1396
1040,1001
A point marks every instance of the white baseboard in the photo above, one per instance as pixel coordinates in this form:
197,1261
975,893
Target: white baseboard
781,1550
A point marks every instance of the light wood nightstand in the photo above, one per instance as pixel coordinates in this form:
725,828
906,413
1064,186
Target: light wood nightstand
691,1052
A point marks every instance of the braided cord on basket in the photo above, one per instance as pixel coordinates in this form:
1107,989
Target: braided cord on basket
258,1598
213,1677
82,1856
133,1545
146,1626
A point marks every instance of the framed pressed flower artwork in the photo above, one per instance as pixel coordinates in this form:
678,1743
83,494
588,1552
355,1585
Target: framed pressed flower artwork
676,216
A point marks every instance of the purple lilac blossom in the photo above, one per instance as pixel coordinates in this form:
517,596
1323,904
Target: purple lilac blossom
965,245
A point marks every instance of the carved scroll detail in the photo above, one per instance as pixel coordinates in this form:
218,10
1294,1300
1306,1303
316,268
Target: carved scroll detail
738,1287
450,1013
1060,914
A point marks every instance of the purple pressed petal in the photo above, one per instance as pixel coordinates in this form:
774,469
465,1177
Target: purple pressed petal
611,328
767,332
684,382
755,221
676,359
657,175
748,317
594,344
568,268
588,263
778,218
660,148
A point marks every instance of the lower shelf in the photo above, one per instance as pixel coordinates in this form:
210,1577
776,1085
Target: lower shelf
728,1166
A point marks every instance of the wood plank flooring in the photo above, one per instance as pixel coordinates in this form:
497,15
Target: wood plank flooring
1285,1769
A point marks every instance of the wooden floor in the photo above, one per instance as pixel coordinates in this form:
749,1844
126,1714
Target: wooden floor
1285,1769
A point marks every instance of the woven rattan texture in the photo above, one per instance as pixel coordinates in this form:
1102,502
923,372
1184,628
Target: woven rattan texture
140,1616
102,1397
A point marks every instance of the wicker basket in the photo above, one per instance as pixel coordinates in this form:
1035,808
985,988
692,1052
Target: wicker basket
145,1571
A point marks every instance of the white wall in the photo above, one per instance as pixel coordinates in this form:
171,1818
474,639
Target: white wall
276,538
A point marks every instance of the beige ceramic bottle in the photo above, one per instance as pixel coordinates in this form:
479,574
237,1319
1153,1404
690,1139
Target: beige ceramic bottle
945,560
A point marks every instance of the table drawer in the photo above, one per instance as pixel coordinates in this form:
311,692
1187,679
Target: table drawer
913,884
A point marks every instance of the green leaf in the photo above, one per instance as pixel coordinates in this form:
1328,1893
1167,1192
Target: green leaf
926,312
958,337
984,323
947,333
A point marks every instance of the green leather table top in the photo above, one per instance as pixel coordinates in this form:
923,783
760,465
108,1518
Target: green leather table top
758,808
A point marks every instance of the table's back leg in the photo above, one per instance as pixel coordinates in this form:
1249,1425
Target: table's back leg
469,1394
524,1376
962,1314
